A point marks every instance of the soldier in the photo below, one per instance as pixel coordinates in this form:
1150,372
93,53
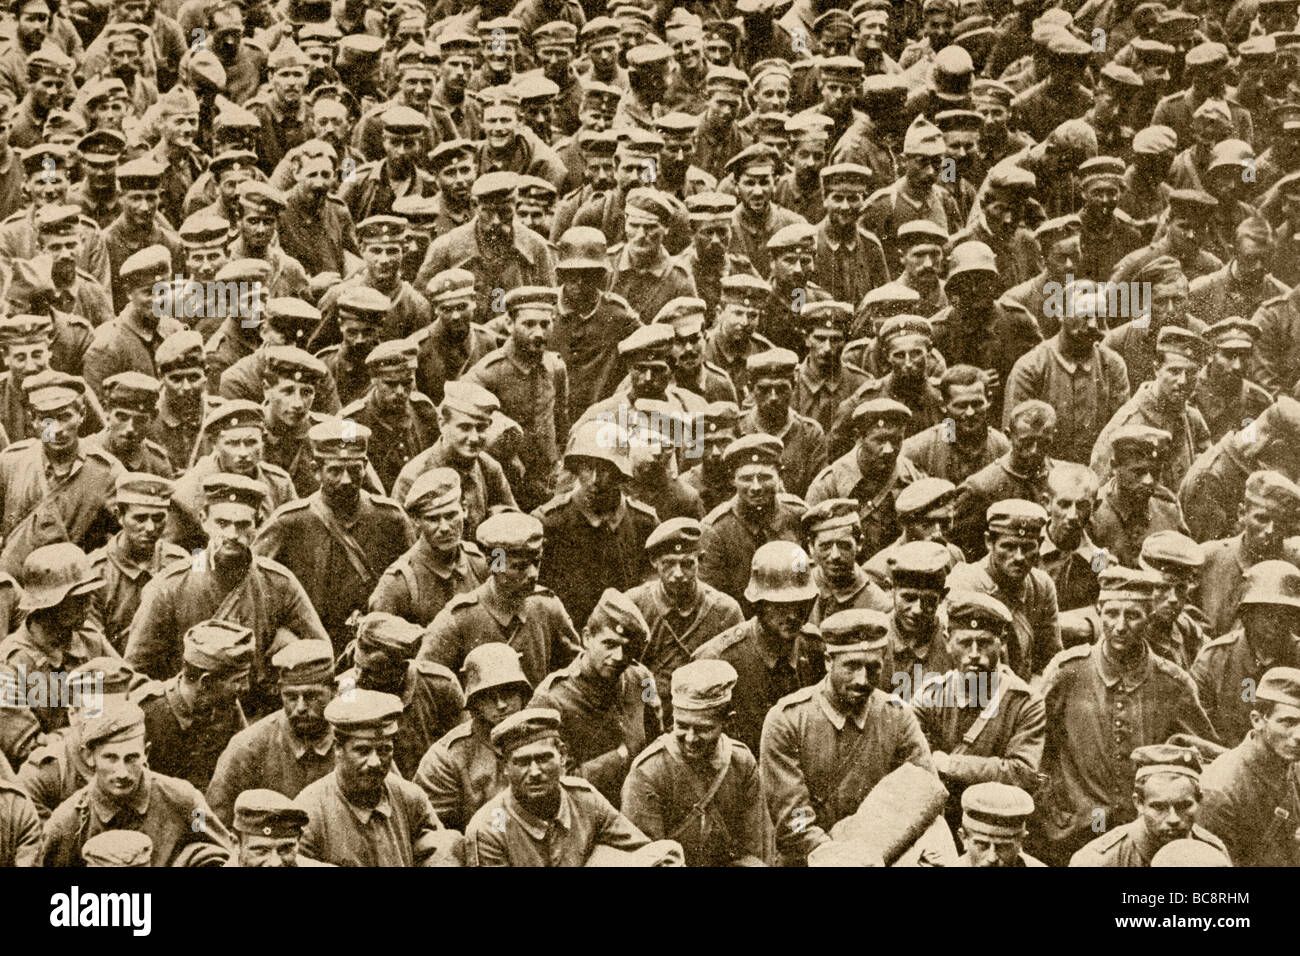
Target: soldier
462,771
337,541
499,252
236,333
872,472
993,826
983,723
1269,514
532,384
803,455
361,311
514,828
284,322
452,344
711,478
698,777
53,488
192,721
361,784
52,639
237,430
1228,667
140,225
431,696
1226,399
441,564
917,194
734,336
850,261
757,217
681,611
1250,791
127,795
26,341
904,341
260,206
1067,554
918,635
767,650
1176,628
608,716
1167,794
1020,473
1133,503
59,235
1073,370
925,512
403,421
651,457
707,258
227,582
645,275
1103,702
691,372
832,533
823,381
508,607
315,227
128,343
134,555
268,830
595,534
1165,404
286,749
826,746
1009,573
131,404
280,106
963,442
791,254
205,235
1136,339
647,354
758,512
373,187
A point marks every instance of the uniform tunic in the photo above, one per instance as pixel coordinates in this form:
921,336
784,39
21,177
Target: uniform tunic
483,482
40,670
933,453
598,715
1033,607
1224,670
461,772
527,261
992,483
1228,411
541,631
1223,580
113,606
588,344
674,636
731,538
1120,529
1252,802
664,795
803,453
1185,424
504,833
163,808
442,359
1132,844
418,584
268,755
184,742
843,479
818,396
395,832
394,442
1097,715
1213,487
817,763
20,827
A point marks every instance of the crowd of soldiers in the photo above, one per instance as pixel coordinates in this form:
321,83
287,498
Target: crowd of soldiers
562,433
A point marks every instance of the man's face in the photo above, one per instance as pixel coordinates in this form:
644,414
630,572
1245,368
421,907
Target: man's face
773,95
530,330
604,57
976,650
650,82
678,573
968,407
786,619
1167,804
844,206
1030,441
937,27
715,446
456,179
1062,258
393,391
179,129
499,54
1252,259
59,428
1136,480
600,480
304,708
140,206
183,387
1228,367
698,732
289,401
688,353
988,850
754,187
239,449
329,121
136,11
443,527
772,397
465,435
494,704
600,172
118,767
825,346
340,480
33,24
644,237
995,117
223,688
792,268
835,552
711,240
1175,379
1011,556
1264,527
837,97
1280,731
26,358
555,60
676,154
142,526
921,263
963,146
289,83
359,337
515,572
383,261
853,675
202,263
1100,197
230,526
108,113
608,653
906,355
317,176
257,228
534,771
456,70
915,608
1185,235
362,760
1124,624
737,322
756,486
48,190
416,87
227,31
649,379
497,219
539,115
500,125
629,169
1154,73
922,171
1069,508
879,447
126,429
256,850
724,104
125,56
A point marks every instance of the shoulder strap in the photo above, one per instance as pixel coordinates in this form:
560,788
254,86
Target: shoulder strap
703,804
353,551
